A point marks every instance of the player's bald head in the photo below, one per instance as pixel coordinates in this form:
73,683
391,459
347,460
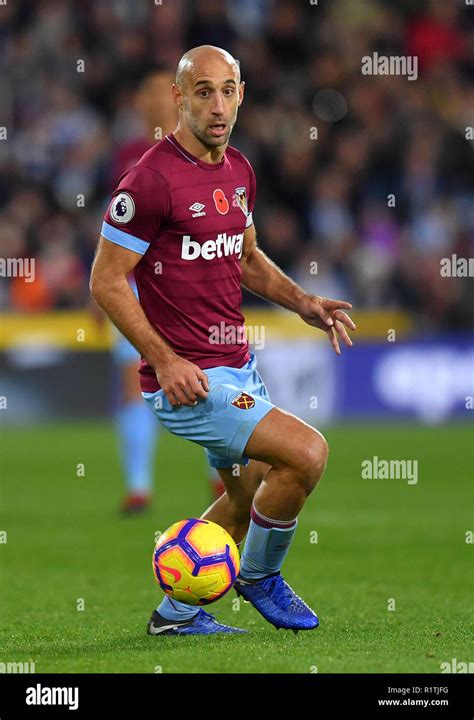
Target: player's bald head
208,92
202,60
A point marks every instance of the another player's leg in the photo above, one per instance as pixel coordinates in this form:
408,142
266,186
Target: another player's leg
217,487
297,455
231,511
138,431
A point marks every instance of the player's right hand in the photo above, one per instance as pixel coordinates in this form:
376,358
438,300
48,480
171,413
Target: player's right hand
182,382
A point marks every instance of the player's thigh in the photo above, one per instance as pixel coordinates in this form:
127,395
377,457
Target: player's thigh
241,483
282,440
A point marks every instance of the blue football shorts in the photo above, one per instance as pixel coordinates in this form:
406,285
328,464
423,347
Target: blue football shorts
225,420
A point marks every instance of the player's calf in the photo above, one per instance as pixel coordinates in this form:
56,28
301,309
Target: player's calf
297,454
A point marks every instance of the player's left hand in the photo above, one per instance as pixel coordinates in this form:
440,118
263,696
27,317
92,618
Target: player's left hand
328,315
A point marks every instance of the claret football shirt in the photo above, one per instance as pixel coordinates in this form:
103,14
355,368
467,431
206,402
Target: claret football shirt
187,218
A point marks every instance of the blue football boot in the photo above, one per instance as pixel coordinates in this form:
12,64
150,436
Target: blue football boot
201,624
277,602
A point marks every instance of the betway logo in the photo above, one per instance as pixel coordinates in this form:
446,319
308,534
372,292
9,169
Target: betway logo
224,245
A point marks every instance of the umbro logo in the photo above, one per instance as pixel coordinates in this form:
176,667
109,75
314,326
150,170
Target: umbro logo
197,209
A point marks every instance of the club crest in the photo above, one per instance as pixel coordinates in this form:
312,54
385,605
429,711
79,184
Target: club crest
241,195
243,401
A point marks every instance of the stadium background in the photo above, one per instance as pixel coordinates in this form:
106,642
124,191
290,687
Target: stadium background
323,200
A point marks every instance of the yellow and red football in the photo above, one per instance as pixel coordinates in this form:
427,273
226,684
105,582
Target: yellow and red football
196,561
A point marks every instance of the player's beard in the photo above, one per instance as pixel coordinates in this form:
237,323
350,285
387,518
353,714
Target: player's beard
206,138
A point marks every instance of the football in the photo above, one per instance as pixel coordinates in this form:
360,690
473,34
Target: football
196,561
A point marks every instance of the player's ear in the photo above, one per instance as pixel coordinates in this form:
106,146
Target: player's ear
177,94
241,92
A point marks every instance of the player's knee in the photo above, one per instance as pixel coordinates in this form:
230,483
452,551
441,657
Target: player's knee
312,458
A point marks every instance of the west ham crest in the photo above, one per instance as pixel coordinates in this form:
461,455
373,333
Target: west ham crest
243,401
241,195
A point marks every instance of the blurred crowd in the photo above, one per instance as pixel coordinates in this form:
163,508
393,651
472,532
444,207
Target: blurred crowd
361,190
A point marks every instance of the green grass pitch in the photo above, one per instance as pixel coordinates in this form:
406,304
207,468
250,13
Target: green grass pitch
66,548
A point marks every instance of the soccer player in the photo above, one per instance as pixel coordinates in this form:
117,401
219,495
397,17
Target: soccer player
181,219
